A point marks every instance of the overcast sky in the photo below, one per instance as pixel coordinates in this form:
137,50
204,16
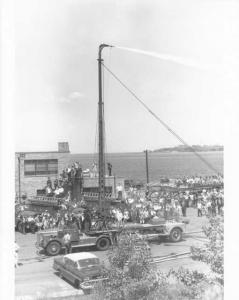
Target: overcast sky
56,91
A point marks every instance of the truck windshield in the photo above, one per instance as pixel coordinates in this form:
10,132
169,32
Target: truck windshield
88,262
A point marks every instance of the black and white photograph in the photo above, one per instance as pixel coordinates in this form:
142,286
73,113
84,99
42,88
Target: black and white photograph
116,132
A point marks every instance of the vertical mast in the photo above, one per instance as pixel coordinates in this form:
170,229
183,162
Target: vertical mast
147,166
101,158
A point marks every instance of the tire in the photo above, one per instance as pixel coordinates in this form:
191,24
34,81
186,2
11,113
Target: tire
77,284
19,226
103,244
175,235
33,228
53,248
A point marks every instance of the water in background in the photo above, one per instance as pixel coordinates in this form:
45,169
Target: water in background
132,165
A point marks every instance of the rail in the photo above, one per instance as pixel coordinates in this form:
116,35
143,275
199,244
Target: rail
44,200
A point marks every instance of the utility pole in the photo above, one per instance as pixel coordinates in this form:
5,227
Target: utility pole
147,166
19,178
147,172
101,158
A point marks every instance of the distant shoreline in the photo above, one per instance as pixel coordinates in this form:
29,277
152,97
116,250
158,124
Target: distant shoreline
196,148
150,151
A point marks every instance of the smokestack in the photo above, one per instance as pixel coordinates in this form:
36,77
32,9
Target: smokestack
63,147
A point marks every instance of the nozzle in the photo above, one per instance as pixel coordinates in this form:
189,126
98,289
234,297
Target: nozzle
102,46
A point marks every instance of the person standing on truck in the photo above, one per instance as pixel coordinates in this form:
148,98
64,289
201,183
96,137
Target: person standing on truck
109,165
67,242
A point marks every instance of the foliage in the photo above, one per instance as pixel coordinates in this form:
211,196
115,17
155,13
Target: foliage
212,252
187,277
131,274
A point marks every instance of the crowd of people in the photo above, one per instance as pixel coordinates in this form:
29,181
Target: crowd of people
69,184
138,205
47,219
195,181
174,204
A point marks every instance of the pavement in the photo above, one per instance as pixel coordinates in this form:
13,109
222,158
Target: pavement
36,279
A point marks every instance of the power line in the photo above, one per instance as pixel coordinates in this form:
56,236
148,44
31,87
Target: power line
162,122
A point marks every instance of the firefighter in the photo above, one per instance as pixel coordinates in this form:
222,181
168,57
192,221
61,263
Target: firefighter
67,242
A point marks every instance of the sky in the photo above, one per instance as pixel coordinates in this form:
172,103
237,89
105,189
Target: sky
187,80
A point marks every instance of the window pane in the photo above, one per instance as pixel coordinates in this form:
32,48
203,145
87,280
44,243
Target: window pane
29,167
52,166
41,167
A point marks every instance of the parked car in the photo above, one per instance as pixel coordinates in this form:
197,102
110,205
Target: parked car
83,269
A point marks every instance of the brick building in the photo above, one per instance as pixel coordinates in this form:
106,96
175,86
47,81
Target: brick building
32,170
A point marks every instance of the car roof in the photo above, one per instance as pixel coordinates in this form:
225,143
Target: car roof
79,256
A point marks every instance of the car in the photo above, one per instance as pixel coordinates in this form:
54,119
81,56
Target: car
82,269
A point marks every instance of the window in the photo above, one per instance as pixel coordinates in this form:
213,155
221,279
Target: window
40,167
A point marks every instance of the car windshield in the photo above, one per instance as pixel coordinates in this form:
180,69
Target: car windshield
88,262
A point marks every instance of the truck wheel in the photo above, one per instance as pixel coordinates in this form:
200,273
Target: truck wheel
103,244
19,227
77,284
53,248
175,235
33,228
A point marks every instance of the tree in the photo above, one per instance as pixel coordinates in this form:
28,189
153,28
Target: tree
212,252
131,274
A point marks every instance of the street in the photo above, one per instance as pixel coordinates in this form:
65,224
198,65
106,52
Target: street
35,277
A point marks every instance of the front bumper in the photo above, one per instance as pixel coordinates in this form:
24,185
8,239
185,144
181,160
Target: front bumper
89,284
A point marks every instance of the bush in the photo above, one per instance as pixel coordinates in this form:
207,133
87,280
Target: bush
213,251
131,275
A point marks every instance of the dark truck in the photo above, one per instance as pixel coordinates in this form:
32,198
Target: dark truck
52,241
83,269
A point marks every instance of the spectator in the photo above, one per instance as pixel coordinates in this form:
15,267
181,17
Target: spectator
199,207
109,168
67,242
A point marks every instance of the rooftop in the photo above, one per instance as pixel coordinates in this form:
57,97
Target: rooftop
79,256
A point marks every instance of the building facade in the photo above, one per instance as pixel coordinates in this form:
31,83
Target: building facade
32,170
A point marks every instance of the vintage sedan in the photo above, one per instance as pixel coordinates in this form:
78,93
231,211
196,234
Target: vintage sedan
82,269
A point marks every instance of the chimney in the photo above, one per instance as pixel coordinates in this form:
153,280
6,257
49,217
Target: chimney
63,147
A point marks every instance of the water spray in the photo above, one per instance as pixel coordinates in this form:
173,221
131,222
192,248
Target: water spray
167,57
